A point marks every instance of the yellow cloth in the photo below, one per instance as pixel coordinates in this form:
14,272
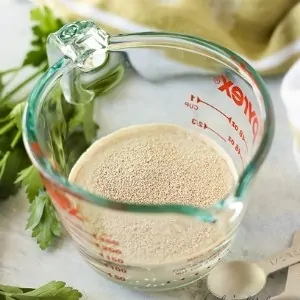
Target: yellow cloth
264,32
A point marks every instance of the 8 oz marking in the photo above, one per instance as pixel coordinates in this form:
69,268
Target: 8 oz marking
237,95
234,125
236,147
240,132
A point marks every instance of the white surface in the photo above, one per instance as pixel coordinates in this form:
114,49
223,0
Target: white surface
272,216
290,93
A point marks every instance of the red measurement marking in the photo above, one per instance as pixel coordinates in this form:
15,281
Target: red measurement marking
36,149
197,123
105,239
115,276
244,68
61,200
111,258
108,240
115,259
205,126
120,278
234,125
73,211
109,274
241,157
246,145
240,99
112,250
199,100
191,105
57,196
240,131
115,268
236,148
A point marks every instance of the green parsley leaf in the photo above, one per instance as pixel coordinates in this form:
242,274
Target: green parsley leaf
15,166
35,57
10,289
3,162
36,210
4,145
54,290
45,20
17,113
84,117
43,221
7,127
5,110
1,85
74,146
44,23
72,130
31,181
12,165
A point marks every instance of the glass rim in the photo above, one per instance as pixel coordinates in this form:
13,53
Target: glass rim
133,39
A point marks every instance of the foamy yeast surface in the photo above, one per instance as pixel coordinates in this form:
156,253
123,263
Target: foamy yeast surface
153,164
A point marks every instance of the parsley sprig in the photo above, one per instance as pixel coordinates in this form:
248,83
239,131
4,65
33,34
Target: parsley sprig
54,290
15,168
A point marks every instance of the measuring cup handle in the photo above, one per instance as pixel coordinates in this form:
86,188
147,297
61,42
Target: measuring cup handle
281,260
293,277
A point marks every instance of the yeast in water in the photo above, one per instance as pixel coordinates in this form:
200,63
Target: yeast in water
153,164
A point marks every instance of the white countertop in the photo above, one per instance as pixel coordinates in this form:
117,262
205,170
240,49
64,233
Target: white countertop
271,218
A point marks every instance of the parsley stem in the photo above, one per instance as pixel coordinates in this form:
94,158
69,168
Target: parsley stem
12,78
11,70
7,127
20,86
3,163
5,119
16,139
21,100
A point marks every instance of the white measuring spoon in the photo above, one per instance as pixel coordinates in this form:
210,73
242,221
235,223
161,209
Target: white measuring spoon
292,287
242,279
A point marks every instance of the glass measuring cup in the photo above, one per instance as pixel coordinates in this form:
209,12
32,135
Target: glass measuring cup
145,78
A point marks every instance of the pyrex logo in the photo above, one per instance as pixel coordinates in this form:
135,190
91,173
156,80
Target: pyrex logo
236,94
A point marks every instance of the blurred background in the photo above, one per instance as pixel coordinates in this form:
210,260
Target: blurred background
266,33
